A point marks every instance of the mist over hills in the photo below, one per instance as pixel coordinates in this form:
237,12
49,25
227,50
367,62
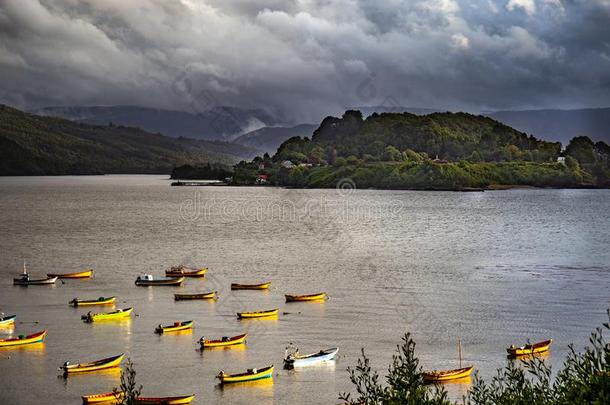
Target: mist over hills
218,123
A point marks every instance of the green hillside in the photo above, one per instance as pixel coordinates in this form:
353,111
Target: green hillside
36,145
437,151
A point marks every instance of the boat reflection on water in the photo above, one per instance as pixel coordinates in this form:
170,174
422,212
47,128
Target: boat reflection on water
111,376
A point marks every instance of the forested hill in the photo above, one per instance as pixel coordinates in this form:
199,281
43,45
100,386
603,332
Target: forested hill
435,151
36,145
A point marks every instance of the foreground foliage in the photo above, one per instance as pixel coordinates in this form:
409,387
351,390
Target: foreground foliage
583,379
129,391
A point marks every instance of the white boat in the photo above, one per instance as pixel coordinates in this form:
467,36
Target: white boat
294,359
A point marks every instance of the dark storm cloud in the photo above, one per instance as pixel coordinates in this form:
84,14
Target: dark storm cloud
306,58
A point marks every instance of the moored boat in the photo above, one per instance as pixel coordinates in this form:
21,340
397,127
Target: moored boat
7,320
176,327
295,359
258,314
199,296
252,374
148,280
112,398
538,347
102,364
183,271
26,280
23,340
222,342
106,316
79,274
261,286
447,375
307,297
100,301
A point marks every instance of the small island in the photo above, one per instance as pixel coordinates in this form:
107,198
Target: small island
439,151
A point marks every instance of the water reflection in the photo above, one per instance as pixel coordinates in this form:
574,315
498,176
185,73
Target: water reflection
35,348
110,375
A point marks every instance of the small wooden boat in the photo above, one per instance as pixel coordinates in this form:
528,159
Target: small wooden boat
258,314
107,316
100,301
446,375
7,320
26,280
201,296
178,400
176,327
109,362
261,286
539,347
252,374
147,280
294,359
23,340
80,274
306,297
112,398
183,271
223,342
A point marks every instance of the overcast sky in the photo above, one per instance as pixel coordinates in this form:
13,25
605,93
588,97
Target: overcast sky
306,59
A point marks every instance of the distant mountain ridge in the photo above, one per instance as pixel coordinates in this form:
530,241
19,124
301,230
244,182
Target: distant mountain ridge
218,123
559,125
268,139
36,145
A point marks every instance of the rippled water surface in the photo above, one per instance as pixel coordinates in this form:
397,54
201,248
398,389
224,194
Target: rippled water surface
490,268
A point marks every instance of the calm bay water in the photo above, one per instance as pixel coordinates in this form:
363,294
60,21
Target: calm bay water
490,268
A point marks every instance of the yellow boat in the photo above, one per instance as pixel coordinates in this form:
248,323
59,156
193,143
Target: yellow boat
199,296
177,326
109,362
250,375
106,316
539,347
258,314
80,274
183,271
223,342
261,286
23,340
446,375
306,297
100,301
112,398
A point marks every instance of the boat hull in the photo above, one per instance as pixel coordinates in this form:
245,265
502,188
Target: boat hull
232,341
261,286
258,314
185,325
110,398
168,281
80,274
43,281
100,301
261,374
186,273
33,338
108,316
535,348
439,376
7,320
109,362
308,297
204,296
311,359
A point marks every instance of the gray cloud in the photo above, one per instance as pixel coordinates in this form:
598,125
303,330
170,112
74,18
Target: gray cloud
306,58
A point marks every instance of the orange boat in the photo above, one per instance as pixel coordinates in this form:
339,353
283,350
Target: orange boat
539,347
261,286
23,340
222,342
